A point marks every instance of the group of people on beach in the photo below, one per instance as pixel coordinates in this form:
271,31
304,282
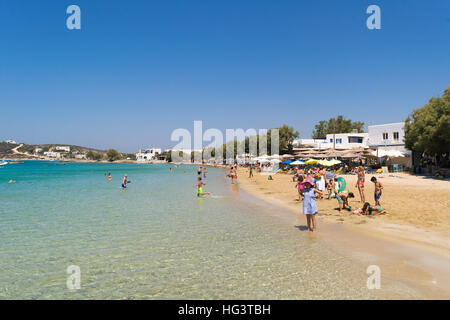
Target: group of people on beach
312,184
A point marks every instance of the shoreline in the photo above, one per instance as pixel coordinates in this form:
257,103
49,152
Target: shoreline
406,251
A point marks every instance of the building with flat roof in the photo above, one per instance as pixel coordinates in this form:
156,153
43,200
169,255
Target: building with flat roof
340,141
148,154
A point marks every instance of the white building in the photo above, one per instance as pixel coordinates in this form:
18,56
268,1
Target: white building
148,154
63,148
11,141
388,137
80,156
52,154
341,141
37,150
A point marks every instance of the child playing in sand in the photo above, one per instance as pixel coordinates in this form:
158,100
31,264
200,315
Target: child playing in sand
199,186
378,188
367,209
342,198
309,204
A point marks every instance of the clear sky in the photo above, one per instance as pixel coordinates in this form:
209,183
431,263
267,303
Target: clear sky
137,70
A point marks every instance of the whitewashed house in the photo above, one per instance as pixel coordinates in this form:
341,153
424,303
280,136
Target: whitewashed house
52,154
38,150
62,148
148,154
338,141
388,137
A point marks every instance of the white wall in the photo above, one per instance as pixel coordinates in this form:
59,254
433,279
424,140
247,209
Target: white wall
376,134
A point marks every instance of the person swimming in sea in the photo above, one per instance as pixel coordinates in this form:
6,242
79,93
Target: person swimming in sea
199,186
109,176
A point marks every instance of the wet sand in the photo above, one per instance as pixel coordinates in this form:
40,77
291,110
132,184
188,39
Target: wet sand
411,243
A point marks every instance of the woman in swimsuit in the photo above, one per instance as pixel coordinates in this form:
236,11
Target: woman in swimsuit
360,183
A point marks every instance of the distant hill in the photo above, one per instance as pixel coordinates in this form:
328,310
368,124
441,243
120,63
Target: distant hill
28,151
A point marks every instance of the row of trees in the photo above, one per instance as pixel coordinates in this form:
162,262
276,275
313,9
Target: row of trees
336,125
427,129
111,155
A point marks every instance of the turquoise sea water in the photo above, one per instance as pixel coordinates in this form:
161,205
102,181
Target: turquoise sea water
156,239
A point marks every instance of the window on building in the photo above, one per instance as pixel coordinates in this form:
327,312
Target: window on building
385,136
355,139
396,136
331,140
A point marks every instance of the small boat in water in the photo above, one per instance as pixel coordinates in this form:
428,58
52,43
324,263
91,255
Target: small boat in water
3,163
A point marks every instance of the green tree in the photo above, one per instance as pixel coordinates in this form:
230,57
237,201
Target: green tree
427,129
94,155
112,155
336,125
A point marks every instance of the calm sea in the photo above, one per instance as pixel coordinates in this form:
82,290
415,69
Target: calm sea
156,239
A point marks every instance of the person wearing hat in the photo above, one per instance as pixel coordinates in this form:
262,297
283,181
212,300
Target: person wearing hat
309,203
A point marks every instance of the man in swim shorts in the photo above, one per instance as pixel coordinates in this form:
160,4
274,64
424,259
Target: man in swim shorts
124,181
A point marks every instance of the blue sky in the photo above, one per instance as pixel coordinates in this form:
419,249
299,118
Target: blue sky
137,70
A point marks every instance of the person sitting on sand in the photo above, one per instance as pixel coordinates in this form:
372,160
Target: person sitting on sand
199,186
367,209
378,190
342,198
309,204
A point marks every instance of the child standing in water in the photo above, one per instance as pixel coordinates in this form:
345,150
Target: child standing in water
309,204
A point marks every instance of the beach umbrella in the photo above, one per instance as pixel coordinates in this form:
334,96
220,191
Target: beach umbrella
287,161
335,162
311,161
325,163
297,163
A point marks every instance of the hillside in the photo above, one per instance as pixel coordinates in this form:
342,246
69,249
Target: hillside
31,151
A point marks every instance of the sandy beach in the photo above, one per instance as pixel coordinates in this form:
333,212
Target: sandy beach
413,236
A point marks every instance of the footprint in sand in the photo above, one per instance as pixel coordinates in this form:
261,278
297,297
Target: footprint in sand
340,219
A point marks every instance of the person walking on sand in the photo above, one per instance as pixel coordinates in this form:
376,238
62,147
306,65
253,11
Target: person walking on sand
360,183
378,190
250,171
309,204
